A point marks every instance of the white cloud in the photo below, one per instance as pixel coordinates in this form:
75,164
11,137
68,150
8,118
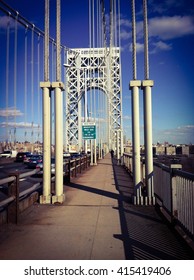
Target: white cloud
139,47
160,46
166,5
125,22
10,112
126,117
4,20
167,28
18,124
179,135
124,35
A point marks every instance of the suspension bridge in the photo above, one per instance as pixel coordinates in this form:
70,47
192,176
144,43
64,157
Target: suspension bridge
63,99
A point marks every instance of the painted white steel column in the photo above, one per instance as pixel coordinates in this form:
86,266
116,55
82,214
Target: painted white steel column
146,85
59,195
46,197
46,115
134,86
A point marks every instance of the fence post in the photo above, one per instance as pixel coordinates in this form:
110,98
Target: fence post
173,191
13,208
69,171
75,167
80,165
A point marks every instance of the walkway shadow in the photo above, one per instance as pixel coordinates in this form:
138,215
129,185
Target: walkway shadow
144,234
94,190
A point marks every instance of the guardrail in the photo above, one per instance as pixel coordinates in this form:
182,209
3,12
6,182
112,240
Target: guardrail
78,165
11,202
174,193
13,197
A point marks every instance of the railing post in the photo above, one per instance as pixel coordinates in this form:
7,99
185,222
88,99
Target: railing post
69,171
80,165
173,190
13,208
75,164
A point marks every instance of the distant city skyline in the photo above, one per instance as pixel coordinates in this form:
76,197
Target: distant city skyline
171,37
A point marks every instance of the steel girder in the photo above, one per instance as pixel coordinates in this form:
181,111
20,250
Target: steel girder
99,68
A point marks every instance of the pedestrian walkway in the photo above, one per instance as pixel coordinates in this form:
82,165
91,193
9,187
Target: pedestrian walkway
96,222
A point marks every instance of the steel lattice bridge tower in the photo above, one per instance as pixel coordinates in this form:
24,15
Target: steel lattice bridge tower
94,68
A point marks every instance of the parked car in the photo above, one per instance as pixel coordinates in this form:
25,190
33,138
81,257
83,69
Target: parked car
34,160
21,156
8,154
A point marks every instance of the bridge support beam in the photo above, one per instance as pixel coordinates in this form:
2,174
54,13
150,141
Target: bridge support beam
46,197
134,86
59,195
146,86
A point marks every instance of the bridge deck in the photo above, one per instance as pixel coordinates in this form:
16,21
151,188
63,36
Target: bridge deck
97,221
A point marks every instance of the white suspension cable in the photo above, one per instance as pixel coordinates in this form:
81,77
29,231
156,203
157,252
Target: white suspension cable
7,74
38,86
134,40
25,81
32,87
146,54
15,73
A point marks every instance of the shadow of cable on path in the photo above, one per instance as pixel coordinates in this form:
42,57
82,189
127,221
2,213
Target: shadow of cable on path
145,234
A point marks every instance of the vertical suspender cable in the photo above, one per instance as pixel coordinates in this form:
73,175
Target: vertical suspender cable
119,44
119,23
38,88
134,41
25,81
89,23
115,24
52,61
58,47
15,74
93,27
7,75
46,42
146,40
32,87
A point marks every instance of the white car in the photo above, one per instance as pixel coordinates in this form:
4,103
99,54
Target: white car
8,154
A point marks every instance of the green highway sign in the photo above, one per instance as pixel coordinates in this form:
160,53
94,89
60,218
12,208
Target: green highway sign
88,131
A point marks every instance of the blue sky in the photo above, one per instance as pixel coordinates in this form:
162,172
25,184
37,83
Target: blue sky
171,43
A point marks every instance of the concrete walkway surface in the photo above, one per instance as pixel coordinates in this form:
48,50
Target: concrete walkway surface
96,222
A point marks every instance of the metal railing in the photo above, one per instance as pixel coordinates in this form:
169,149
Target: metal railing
173,190
13,195
11,185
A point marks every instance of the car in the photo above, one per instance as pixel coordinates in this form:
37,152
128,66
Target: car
34,160
75,155
39,166
27,158
21,156
8,154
